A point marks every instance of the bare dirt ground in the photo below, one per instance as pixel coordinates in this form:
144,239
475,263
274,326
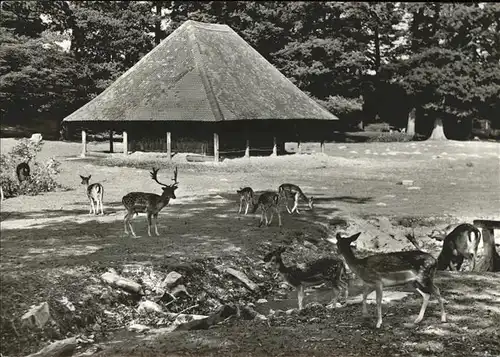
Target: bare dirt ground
51,247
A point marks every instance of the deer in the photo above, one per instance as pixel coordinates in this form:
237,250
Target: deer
331,271
149,203
392,269
95,194
268,201
462,242
23,172
288,190
246,197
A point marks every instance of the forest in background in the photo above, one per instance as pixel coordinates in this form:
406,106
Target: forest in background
364,61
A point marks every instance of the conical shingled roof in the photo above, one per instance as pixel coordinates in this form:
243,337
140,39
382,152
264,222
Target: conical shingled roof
201,72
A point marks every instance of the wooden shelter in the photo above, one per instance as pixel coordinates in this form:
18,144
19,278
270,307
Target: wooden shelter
205,86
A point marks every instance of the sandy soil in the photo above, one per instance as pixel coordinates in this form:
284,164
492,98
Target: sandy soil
51,238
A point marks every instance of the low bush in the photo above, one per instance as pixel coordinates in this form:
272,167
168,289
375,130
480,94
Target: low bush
42,177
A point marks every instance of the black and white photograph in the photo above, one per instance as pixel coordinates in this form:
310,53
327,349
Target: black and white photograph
249,179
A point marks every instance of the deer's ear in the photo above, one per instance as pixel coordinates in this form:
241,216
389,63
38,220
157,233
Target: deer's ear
354,237
89,177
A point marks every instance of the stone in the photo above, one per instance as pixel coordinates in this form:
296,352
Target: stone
149,306
171,279
406,182
261,301
115,280
180,290
60,348
37,316
137,327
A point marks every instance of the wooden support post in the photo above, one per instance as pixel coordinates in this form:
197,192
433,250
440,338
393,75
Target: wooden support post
84,143
247,150
216,147
111,141
275,147
169,145
125,143
322,145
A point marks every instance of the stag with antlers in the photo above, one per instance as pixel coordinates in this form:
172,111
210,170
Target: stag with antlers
149,203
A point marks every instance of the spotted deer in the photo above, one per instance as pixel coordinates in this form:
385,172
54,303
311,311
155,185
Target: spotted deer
95,194
331,271
246,197
149,203
393,269
268,201
288,190
459,244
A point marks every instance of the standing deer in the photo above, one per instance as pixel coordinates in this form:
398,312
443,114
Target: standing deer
95,194
22,171
393,269
462,242
288,190
149,203
331,271
246,197
268,201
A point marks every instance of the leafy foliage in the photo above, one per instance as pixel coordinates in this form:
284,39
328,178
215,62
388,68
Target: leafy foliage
43,175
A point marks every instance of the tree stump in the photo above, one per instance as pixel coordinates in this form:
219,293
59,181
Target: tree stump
490,260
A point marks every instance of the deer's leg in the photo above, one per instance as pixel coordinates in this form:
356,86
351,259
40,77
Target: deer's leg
271,219
295,203
435,291
367,289
241,205
379,290
91,210
102,207
279,216
156,221
426,297
262,217
300,296
248,205
149,223
125,220
335,298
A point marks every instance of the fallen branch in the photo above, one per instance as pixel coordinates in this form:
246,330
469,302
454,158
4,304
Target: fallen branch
240,276
204,324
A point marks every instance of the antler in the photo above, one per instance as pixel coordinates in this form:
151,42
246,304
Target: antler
175,177
154,174
413,240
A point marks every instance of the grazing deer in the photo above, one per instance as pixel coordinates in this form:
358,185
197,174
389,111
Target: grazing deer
95,194
22,171
288,190
462,242
268,201
331,271
149,203
393,269
246,197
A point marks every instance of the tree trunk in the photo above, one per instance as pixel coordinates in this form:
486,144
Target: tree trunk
410,127
158,32
490,261
438,131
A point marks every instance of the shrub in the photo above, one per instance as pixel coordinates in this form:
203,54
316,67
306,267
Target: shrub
43,175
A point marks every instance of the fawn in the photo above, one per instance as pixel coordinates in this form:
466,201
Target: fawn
393,269
95,194
331,271
288,190
246,197
22,172
268,201
149,203
462,242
